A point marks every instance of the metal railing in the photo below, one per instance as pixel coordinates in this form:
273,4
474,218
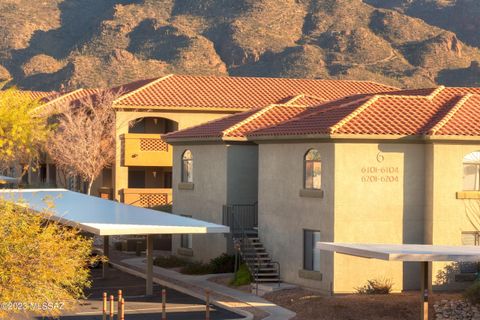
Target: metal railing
240,217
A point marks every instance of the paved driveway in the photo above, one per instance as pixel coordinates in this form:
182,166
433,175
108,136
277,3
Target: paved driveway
179,306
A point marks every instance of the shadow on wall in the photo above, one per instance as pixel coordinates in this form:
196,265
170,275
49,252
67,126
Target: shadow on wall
413,199
447,275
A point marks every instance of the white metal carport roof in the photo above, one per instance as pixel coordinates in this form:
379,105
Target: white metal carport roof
106,217
405,252
5,180
422,253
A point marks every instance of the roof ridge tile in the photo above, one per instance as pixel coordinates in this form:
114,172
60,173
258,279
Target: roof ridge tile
441,123
248,119
435,92
142,87
353,114
295,98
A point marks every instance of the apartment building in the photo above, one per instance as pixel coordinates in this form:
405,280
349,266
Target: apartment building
398,167
148,109
143,167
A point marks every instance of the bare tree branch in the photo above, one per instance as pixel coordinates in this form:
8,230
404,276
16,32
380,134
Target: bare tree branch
84,141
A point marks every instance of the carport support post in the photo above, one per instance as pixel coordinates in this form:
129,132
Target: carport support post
425,288
149,265
106,253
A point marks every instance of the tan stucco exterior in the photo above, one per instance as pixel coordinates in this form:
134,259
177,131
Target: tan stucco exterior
374,192
447,217
222,174
182,119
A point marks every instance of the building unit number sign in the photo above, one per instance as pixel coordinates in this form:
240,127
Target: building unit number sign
381,174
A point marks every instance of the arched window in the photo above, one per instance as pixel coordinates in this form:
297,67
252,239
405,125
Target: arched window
187,166
471,171
313,170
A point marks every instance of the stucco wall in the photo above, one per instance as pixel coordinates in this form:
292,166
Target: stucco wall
284,214
379,190
242,174
207,197
449,216
184,119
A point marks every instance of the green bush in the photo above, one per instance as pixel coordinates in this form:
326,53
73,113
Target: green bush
376,286
242,277
197,268
223,264
472,293
169,262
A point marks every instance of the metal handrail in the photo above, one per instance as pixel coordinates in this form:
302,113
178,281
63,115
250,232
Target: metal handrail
246,246
278,269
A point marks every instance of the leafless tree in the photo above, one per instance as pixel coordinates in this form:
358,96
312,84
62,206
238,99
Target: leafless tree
83,143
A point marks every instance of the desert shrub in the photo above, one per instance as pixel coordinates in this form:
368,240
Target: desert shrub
197,268
376,286
472,293
242,277
169,262
223,264
40,261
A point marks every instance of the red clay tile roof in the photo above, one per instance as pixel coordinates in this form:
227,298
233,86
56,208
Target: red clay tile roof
38,95
439,111
71,97
238,93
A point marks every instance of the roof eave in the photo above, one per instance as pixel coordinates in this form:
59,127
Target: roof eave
183,140
452,138
180,108
336,137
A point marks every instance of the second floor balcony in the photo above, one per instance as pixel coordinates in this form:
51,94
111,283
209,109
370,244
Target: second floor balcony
141,149
147,197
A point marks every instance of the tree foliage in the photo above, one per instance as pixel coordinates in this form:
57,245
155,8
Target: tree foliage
22,131
43,265
83,143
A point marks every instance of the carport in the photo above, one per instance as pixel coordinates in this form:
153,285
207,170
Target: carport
106,218
8,180
421,253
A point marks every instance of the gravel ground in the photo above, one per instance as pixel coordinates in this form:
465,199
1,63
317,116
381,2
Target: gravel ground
310,305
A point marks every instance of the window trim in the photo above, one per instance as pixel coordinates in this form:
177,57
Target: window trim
184,178
305,161
476,164
304,266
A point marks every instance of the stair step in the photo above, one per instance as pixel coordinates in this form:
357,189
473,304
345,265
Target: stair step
267,280
250,258
275,275
256,254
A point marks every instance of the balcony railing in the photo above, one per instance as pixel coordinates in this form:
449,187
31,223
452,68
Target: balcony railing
146,150
147,198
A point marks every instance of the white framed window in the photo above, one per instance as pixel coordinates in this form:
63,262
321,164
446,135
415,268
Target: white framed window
187,166
470,238
186,241
312,170
471,171
311,257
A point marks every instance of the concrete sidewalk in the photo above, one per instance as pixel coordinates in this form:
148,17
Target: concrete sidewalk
248,305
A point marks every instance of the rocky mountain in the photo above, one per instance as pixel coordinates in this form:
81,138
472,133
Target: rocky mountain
67,44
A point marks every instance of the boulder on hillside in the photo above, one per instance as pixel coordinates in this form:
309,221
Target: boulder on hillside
438,52
41,63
